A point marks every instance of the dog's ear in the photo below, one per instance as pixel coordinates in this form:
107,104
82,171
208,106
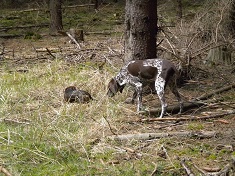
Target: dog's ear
112,87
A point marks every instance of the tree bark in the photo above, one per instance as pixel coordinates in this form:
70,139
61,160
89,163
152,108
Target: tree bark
179,9
232,18
140,29
56,16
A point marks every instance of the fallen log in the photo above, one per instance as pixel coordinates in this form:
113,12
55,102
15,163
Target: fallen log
197,102
23,27
191,118
47,10
210,94
149,136
173,108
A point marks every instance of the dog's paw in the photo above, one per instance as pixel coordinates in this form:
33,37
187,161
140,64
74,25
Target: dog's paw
143,110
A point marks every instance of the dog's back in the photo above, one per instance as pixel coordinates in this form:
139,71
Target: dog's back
150,68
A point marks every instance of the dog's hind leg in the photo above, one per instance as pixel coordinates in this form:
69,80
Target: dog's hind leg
160,89
173,88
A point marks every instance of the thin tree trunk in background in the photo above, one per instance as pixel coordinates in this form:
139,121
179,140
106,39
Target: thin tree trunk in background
55,16
140,29
179,9
232,18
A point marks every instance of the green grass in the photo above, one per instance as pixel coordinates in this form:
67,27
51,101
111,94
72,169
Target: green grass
108,17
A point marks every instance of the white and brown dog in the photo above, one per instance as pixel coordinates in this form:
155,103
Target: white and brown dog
140,73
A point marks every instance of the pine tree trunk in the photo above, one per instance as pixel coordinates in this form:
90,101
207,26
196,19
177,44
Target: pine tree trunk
179,9
219,55
56,16
232,18
140,29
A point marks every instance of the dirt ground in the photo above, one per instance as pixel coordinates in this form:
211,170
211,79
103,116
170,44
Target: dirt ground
22,53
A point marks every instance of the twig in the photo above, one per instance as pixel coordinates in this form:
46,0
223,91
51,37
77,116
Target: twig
50,53
158,44
109,125
5,171
73,39
217,26
187,169
165,151
171,45
154,171
26,121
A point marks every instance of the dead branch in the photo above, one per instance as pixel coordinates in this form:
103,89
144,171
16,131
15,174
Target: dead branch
4,171
211,169
154,171
174,108
191,118
73,39
77,6
225,171
110,128
210,94
17,121
46,10
149,136
50,53
192,104
22,27
186,167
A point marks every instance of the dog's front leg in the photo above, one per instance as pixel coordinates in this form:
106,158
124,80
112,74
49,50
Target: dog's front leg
139,96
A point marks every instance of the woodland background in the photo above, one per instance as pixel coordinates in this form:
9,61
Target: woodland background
40,134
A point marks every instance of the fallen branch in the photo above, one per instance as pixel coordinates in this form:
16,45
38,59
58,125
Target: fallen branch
149,136
17,121
225,171
47,10
50,53
73,39
4,171
186,167
192,104
191,118
174,108
210,94
22,27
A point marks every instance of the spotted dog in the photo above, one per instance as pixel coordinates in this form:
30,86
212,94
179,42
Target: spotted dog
140,73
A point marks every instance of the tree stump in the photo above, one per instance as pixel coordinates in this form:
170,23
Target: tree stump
77,34
219,55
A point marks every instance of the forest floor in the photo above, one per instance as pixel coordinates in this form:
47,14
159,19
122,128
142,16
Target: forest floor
40,134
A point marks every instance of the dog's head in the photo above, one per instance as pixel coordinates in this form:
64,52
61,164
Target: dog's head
114,87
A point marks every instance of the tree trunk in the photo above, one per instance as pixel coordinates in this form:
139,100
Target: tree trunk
232,18
219,55
140,29
179,9
56,16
